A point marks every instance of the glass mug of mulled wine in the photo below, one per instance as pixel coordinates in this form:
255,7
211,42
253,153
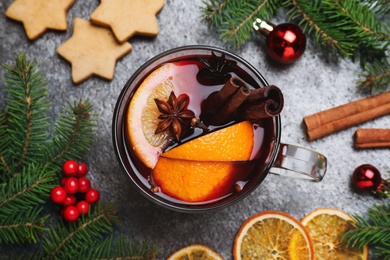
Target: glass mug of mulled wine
197,128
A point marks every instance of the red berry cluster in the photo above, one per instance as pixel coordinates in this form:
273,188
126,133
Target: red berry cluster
75,193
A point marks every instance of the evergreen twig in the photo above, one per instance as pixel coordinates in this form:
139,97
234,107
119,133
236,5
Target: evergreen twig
31,157
374,232
359,30
234,19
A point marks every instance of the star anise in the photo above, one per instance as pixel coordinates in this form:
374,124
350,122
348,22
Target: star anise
216,70
175,117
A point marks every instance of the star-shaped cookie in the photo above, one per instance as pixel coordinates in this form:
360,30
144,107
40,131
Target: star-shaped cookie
128,17
39,15
92,50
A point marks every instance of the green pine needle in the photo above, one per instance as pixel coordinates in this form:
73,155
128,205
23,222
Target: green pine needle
30,188
233,19
25,226
26,113
376,77
120,248
68,239
374,232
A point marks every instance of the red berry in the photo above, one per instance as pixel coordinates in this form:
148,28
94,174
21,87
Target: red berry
84,185
92,196
70,168
63,180
71,185
83,207
82,170
366,177
58,195
70,213
69,201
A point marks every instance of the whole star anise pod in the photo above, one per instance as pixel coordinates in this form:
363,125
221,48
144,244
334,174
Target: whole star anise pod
216,69
175,117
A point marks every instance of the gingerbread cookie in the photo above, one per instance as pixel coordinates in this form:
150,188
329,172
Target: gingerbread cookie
92,50
39,15
128,17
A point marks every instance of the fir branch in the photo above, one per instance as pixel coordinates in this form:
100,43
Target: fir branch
376,77
4,144
121,248
234,18
378,6
328,30
26,112
21,227
374,232
68,239
73,134
25,190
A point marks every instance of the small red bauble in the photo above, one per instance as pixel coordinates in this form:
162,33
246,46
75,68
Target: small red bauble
366,177
83,207
70,168
92,196
70,214
58,195
69,201
71,185
84,185
82,170
285,42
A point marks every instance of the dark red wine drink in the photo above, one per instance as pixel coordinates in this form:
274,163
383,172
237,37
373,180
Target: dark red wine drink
194,74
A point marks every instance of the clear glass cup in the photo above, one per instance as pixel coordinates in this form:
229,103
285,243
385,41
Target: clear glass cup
281,159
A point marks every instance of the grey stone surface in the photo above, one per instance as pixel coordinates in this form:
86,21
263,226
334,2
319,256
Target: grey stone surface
310,85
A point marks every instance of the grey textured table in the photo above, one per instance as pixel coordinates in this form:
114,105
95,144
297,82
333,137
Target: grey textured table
310,85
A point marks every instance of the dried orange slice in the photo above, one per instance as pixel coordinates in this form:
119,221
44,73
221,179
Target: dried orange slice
233,143
272,235
142,113
325,225
195,252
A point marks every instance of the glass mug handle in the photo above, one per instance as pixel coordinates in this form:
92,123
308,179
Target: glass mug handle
298,162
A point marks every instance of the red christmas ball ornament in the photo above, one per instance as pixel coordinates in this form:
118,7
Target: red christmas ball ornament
367,177
285,42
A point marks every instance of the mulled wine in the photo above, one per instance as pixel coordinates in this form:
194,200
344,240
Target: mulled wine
204,178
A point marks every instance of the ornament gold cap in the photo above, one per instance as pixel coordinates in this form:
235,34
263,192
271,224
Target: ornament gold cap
263,27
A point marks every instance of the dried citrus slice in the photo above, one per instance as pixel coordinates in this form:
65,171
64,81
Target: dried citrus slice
272,235
325,226
195,252
233,143
142,113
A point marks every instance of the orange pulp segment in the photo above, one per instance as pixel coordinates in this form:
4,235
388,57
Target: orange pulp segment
194,181
272,235
233,143
325,225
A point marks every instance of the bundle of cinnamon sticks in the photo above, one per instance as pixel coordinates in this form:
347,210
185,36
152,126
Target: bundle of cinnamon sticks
236,100
351,114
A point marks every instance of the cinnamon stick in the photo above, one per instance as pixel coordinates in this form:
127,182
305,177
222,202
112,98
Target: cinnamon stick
220,106
347,115
372,138
264,102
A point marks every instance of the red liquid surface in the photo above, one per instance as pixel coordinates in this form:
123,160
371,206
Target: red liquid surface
244,173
